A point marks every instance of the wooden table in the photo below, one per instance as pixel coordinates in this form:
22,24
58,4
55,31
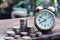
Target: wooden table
9,23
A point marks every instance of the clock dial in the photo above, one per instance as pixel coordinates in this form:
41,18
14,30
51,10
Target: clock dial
45,19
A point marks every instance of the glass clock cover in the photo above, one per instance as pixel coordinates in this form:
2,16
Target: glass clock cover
45,20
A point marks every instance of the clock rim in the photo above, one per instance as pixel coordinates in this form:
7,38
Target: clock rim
52,26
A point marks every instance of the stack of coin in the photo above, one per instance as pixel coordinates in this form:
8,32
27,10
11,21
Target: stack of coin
17,36
9,38
2,37
23,34
23,24
32,35
26,37
30,30
16,29
11,33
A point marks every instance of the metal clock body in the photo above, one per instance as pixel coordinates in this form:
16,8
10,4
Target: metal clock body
45,20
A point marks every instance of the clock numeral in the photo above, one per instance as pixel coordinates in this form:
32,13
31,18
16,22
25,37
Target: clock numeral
45,14
48,24
44,25
38,19
39,22
48,14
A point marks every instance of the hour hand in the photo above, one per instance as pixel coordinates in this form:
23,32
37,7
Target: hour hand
49,16
41,22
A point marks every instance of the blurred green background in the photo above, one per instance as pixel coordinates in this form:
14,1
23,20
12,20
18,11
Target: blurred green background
27,6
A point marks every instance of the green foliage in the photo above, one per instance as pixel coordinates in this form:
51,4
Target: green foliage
15,1
52,1
37,2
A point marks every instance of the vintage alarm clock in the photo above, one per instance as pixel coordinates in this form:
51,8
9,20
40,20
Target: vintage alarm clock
45,19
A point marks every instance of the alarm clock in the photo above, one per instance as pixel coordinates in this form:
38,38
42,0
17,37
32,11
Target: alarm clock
45,19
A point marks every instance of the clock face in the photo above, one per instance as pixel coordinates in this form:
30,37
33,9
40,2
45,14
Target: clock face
45,20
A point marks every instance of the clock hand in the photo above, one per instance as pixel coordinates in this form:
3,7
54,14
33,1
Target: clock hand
44,20
47,17
41,22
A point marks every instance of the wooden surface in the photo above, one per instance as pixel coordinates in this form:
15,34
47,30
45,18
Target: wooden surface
6,25
9,23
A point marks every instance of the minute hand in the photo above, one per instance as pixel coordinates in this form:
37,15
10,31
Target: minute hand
48,17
